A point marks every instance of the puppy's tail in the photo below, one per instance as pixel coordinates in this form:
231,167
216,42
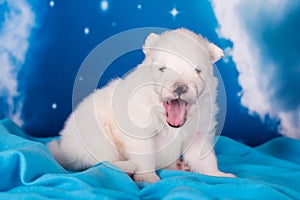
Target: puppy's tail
59,153
68,158
54,147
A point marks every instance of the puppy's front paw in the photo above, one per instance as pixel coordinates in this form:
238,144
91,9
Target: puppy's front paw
126,166
222,174
146,177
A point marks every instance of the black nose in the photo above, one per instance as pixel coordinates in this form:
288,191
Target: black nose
180,89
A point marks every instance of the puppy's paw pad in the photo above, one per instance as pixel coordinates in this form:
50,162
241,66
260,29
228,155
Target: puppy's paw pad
181,165
147,177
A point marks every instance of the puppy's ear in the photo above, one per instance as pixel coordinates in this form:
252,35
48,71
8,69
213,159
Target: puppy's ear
215,53
150,42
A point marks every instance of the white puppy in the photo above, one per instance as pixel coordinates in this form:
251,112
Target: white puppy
162,110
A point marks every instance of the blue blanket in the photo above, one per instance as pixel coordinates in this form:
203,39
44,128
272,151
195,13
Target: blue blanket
28,171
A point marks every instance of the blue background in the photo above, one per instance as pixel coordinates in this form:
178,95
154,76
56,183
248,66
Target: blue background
58,45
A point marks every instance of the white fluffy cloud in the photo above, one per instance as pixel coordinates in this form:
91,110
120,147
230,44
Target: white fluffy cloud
16,25
265,36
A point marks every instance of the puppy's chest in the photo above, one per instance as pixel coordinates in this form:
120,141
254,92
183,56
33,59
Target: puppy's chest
144,111
171,140
168,148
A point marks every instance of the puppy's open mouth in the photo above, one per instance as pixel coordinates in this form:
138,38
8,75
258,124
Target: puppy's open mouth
176,111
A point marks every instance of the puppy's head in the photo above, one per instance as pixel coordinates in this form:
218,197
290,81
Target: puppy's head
182,69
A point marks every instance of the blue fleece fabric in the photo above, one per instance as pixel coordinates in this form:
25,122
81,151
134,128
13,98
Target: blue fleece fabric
28,171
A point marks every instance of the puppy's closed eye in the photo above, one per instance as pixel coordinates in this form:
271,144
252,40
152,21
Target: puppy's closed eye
198,71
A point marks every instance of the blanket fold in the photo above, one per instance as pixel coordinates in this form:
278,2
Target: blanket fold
29,171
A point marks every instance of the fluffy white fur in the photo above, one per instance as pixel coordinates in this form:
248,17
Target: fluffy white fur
162,110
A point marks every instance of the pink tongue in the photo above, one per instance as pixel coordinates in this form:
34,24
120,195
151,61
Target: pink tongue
176,112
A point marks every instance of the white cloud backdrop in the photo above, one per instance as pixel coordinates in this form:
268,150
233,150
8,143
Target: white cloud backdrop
16,25
266,49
